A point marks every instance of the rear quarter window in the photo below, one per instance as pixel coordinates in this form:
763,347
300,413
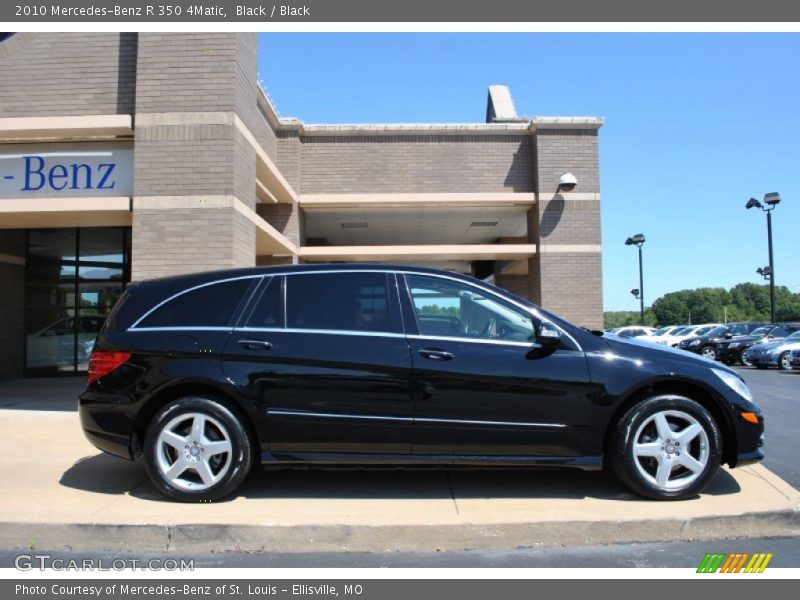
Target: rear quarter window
212,305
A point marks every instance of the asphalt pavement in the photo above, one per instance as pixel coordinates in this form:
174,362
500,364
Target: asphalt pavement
778,394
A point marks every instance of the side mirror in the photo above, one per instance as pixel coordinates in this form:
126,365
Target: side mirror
548,339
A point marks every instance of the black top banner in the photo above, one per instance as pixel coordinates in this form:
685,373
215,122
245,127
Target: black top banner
440,11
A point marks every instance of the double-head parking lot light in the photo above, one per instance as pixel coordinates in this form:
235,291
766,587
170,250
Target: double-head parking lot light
638,240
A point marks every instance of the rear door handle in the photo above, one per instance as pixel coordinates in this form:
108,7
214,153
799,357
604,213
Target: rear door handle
255,344
435,354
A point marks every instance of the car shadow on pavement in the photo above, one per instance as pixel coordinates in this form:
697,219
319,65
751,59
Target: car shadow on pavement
105,474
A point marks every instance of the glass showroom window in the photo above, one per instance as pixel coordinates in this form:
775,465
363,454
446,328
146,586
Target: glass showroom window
74,277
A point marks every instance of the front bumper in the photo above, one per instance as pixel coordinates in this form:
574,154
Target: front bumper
762,360
729,354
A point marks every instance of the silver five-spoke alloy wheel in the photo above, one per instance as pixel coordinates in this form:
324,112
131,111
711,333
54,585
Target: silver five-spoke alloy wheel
670,449
194,451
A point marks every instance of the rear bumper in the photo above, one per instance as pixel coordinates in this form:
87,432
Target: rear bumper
105,425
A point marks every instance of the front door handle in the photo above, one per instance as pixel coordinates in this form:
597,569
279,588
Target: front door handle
435,354
255,344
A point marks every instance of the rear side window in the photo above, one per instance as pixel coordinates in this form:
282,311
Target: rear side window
342,301
212,305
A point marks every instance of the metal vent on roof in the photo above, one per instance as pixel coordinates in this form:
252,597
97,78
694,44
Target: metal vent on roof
356,225
483,224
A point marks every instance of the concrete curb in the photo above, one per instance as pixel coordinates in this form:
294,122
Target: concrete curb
406,538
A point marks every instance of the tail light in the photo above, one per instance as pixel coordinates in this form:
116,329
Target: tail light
102,363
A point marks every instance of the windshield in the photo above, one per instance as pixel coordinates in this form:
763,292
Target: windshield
718,331
681,331
795,337
662,331
704,330
761,331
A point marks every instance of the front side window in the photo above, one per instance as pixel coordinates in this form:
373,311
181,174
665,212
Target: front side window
355,301
446,308
211,305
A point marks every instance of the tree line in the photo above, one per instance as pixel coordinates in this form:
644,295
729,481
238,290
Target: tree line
743,302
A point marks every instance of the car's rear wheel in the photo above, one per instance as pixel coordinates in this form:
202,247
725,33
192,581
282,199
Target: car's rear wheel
666,447
709,352
196,449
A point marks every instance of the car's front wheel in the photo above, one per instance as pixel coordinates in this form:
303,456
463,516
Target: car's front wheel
666,447
744,360
196,449
784,361
709,352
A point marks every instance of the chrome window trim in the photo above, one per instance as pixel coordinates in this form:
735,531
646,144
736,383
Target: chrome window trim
135,327
182,328
390,334
474,340
298,413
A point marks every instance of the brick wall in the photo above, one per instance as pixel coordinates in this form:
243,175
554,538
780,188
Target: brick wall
288,157
416,163
561,150
44,74
568,283
569,221
572,286
171,241
187,171
286,218
12,307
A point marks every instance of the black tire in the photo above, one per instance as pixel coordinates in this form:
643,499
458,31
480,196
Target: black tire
221,422
743,359
709,352
784,361
621,441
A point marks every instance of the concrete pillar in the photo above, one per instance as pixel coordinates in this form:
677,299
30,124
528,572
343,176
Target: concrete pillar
566,274
196,110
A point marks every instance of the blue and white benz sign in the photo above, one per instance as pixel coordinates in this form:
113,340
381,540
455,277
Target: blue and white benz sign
66,170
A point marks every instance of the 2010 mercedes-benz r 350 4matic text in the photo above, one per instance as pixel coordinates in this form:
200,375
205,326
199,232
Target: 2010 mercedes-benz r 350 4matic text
201,376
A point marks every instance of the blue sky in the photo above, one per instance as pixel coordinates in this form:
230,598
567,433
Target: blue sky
695,125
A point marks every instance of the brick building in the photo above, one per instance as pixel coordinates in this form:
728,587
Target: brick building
127,155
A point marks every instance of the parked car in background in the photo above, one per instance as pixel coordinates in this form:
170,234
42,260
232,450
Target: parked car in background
659,335
795,359
734,350
691,331
56,344
706,344
202,377
630,331
775,353
670,338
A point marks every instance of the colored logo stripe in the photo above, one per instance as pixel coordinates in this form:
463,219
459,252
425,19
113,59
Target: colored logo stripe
734,563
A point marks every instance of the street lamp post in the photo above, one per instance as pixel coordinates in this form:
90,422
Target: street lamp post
771,200
638,240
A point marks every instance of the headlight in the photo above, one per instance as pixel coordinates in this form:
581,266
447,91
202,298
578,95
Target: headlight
734,345
736,384
695,343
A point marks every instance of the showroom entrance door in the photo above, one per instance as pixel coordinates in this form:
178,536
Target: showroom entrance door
73,278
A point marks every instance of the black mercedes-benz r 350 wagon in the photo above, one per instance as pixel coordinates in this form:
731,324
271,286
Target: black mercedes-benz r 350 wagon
201,376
